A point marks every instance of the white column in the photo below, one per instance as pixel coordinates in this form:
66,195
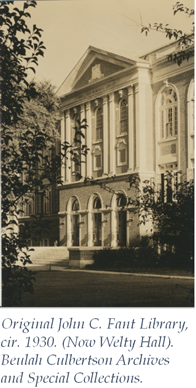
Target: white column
63,164
140,127
68,139
105,134
83,140
112,134
130,128
88,140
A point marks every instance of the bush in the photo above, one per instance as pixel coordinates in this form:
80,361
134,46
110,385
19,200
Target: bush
140,258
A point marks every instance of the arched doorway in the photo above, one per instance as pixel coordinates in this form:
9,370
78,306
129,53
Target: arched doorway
75,223
121,203
97,224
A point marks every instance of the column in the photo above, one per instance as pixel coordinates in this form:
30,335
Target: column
68,139
105,135
63,163
112,134
88,140
83,140
130,128
140,127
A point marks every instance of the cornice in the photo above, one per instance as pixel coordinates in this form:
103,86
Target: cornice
170,74
109,78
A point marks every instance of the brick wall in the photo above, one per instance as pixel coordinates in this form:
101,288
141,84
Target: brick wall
83,193
181,82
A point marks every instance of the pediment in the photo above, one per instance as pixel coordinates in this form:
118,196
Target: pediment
97,70
95,65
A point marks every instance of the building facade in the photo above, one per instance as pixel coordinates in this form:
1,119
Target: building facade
140,117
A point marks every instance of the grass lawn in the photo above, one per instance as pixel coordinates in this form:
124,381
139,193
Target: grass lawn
84,289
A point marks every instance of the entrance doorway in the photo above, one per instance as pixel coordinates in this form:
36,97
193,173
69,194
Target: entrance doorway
122,229
121,221
75,230
97,224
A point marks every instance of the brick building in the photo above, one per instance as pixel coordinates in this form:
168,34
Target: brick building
140,116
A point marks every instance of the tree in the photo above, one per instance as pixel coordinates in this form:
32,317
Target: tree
171,211
185,41
20,49
29,128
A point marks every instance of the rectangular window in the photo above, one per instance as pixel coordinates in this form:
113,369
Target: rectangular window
97,161
169,124
122,156
99,133
123,126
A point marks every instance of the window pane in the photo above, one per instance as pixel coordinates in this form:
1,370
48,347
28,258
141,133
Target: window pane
97,161
99,124
169,122
123,117
176,120
97,203
122,156
75,205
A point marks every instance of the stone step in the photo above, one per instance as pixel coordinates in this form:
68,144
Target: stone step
47,256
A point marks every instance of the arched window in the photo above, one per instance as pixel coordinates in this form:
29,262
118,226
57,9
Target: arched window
123,116
97,224
75,222
99,124
97,203
168,111
121,202
75,205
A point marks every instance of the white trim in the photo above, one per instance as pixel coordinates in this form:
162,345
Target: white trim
96,152
105,134
112,133
158,140
68,139
88,139
70,213
120,148
91,213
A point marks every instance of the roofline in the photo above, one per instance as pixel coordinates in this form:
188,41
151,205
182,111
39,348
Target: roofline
101,51
162,47
117,56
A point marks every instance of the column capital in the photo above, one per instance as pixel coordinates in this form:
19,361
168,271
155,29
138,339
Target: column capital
137,87
111,97
130,89
75,110
67,113
82,108
105,99
88,105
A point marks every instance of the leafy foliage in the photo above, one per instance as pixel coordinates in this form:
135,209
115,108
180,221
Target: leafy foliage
185,41
30,128
172,215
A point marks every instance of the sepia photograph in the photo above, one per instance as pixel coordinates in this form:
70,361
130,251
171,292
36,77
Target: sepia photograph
97,153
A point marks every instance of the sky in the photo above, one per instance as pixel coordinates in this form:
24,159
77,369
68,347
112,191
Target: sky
71,26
